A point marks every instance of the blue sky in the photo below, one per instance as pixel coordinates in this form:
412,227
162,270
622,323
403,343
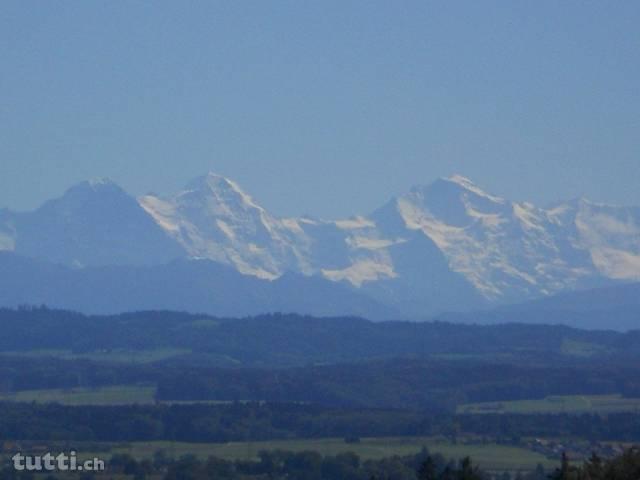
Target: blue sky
327,108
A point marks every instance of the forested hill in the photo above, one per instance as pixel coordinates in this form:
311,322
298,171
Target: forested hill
289,340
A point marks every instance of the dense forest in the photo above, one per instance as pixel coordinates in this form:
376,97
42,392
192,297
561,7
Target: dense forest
265,421
279,340
399,383
344,362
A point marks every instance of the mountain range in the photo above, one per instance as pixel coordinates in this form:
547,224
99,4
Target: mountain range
446,246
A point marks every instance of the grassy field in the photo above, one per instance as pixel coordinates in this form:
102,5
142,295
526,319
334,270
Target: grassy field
108,356
581,349
558,404
116,395
489,456
113,395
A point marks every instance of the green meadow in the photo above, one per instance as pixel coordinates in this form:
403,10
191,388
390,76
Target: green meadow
489,456
558,404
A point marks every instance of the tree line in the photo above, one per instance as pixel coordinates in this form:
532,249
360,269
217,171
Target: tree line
256,421
309,465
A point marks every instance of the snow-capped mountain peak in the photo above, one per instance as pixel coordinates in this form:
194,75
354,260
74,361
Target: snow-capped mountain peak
94,223
101,182
418,249
469,186
512,250
464,187
221,189
94,187
214,218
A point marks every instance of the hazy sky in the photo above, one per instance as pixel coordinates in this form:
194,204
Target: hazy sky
326,108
